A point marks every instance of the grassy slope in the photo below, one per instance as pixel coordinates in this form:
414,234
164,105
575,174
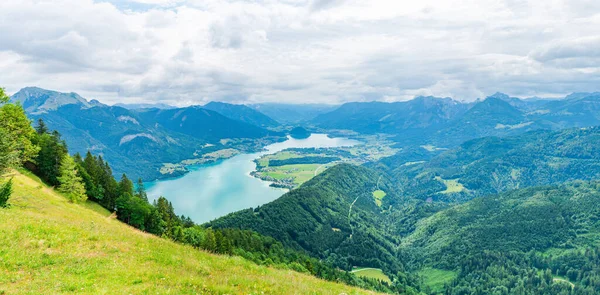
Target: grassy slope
372,273
436,278
49,246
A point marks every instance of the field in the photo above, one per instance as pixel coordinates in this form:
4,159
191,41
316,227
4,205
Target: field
436,278
452,185
373,273
378,195
300,173
50,246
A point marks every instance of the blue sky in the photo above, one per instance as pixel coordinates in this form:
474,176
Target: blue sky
324,51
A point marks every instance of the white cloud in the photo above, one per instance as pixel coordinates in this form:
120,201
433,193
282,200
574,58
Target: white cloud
189,52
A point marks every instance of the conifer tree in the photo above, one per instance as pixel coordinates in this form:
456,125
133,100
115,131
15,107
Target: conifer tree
141,190
71,184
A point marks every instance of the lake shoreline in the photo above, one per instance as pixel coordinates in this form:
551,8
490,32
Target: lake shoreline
211,190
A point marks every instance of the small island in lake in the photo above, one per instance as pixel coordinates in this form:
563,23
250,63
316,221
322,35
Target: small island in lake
299,133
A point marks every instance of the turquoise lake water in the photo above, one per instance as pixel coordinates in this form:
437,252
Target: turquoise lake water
211,191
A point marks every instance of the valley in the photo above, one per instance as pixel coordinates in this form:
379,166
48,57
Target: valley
396,197
224,186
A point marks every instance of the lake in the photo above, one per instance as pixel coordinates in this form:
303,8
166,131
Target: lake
214,190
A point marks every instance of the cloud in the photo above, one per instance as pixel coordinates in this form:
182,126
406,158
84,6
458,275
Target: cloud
190,52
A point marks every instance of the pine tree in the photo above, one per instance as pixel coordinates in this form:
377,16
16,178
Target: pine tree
71,184
41,127
141,190
125,186
50,156
9,157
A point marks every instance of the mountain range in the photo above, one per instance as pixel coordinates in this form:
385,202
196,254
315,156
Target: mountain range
444,122
139,142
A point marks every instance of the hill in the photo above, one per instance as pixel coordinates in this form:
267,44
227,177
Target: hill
540,240
51,246
492,164
335,216
241,113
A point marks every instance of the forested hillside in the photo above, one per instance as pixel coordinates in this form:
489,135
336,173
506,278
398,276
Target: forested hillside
492,164
334,217
139,142
540,240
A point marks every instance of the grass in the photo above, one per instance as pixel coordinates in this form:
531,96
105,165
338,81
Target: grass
378,195
50,246
373,273
436,278
452,185
301,173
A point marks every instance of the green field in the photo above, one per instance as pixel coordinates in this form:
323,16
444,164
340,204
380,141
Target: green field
300,173
436,278
378,195
283,155
51,246
452,185
373,273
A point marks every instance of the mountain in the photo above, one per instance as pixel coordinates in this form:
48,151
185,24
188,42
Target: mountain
137,106
576,110
65,247
241,113
490,117
421,113
292,113
525,105
140,142
447,123
202,123
37,100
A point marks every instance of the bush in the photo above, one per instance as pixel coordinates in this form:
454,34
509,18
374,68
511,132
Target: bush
5,192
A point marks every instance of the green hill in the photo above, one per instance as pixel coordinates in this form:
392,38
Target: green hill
51,246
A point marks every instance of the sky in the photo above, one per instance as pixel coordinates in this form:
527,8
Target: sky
299,51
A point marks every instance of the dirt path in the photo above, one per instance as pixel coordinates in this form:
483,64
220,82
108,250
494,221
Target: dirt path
317,170
563,281
349,220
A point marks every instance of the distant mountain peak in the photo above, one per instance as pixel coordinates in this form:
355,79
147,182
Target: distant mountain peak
37,100
500,95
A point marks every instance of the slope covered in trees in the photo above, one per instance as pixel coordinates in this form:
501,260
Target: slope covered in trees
491,165
523,242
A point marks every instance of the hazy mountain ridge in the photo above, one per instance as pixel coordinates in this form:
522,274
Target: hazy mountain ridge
446,123
242,113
